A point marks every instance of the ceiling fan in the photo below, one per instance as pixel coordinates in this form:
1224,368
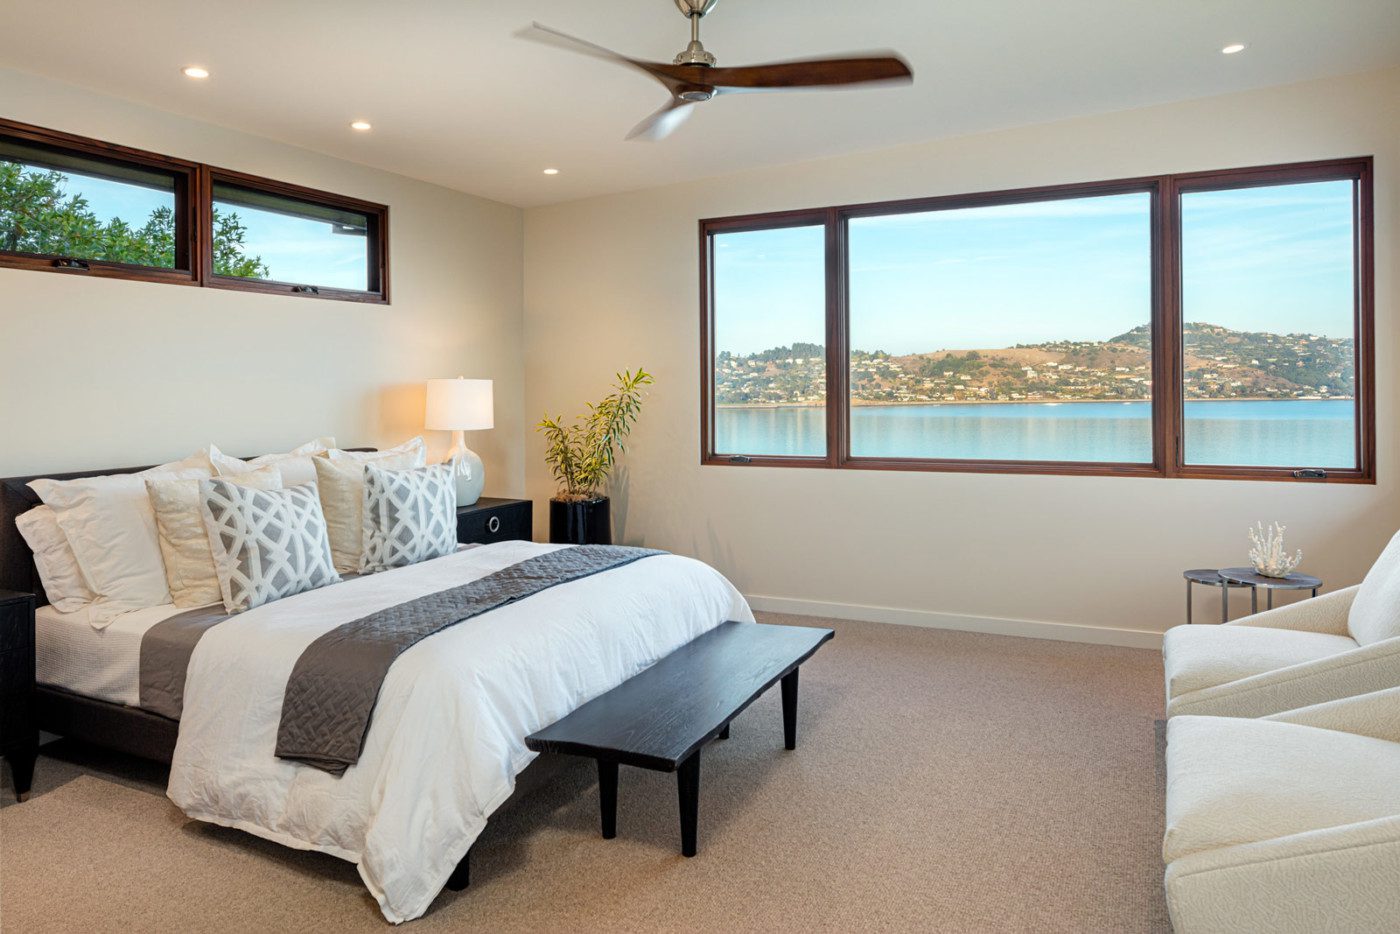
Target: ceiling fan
694,78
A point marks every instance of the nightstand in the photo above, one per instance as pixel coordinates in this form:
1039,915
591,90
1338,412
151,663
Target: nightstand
19,737
495,520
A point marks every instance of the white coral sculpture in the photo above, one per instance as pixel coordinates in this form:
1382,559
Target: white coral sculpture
1267,555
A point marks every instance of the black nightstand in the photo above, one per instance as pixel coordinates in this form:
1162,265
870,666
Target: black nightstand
495,520
19,737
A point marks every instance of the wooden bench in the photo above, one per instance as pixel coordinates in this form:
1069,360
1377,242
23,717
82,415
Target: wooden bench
660,718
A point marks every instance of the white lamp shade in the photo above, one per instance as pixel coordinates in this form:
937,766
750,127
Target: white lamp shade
459,405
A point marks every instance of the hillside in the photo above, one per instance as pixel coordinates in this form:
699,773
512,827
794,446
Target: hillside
1219,364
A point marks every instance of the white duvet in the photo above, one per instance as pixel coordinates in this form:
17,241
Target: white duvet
447,736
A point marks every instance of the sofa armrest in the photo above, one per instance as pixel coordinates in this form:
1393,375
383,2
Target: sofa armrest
1376,714
1326,613
1368,668
1335,879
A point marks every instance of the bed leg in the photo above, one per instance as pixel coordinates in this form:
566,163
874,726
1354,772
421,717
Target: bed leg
607,797
461,876
724,733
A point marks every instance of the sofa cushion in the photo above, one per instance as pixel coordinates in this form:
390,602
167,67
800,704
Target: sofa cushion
1197,657
1375,613
1232,780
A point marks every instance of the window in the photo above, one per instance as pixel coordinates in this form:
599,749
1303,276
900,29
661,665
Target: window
278,238
1202,325
1268,280
92,208
769,336
79,206
1005,332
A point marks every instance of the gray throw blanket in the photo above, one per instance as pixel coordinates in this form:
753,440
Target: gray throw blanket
165,658
335,683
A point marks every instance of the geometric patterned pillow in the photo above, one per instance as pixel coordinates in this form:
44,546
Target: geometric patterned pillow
409,516
267,544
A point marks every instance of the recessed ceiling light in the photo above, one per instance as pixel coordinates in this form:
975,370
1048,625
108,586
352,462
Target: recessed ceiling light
194,71
551,171
360,125
1233,47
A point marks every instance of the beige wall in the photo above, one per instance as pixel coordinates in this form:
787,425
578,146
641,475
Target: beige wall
97,373
611,283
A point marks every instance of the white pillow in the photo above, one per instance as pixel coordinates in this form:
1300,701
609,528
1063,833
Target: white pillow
53,556
267,544
111,528
294,465
1375,611
184,542
414,447
340,481
410,516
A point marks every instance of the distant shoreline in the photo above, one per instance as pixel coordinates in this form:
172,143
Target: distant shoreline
860,404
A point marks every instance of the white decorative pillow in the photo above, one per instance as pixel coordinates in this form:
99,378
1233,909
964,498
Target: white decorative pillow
1375,612
340,481
267,544
53,556
184,542
409,516
111,528
414,448
295,465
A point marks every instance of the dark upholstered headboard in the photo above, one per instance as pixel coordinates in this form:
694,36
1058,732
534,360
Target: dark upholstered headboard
17,571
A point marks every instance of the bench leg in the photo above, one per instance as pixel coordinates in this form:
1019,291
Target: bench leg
790,709
724,733
461,876
607,796
688,785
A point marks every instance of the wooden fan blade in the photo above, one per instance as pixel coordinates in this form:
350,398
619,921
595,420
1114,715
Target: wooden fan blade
812,73
661,123
538,32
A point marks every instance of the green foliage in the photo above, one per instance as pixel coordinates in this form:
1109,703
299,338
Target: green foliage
38,216
582,454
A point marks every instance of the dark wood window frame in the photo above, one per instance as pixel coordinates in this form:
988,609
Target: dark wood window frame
194,248
1166,324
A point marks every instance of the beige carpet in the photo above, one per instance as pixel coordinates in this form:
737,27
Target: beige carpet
943,781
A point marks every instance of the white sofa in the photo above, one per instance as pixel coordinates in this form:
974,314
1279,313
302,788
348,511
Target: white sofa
1336,645
1288,823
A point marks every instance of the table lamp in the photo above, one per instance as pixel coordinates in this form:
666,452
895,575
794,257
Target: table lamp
459,405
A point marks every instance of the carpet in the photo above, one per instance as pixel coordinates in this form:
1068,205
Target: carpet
943,781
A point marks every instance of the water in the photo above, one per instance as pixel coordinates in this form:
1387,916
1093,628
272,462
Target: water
1286,433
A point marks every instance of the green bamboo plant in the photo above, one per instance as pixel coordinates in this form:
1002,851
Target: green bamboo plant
582,454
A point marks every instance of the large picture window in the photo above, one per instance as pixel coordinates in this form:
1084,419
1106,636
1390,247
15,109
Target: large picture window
84,207
1201,325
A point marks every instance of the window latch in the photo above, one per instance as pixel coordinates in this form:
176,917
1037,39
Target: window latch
311,289
1310,473
740,459
68,262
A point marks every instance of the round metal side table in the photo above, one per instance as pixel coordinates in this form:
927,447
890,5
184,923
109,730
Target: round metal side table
1211,578
1248,577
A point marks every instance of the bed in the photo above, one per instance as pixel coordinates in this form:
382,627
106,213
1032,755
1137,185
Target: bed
445,744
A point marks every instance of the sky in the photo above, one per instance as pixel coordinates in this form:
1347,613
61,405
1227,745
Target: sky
1261,259
294,249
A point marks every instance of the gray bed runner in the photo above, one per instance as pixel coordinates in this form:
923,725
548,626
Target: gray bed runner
165,658
335,683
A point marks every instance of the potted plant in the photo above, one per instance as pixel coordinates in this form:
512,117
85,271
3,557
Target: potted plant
582,454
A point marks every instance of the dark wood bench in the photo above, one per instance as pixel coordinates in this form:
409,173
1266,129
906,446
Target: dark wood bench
661,718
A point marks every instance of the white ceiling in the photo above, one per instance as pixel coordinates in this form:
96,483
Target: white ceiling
456,99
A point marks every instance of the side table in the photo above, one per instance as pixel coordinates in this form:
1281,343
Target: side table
1248,577
1211,578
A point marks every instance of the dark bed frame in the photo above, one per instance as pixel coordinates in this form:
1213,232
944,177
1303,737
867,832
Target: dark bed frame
101,723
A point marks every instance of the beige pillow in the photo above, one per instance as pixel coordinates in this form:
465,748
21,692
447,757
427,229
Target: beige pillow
184,541
53,556
414,447
340,481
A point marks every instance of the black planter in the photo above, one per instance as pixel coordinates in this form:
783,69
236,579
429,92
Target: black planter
580,522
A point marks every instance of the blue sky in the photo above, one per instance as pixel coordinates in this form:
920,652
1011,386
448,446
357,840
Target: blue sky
294,249
1263,259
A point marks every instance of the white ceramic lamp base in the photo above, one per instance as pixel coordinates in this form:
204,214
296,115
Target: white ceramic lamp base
471,473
